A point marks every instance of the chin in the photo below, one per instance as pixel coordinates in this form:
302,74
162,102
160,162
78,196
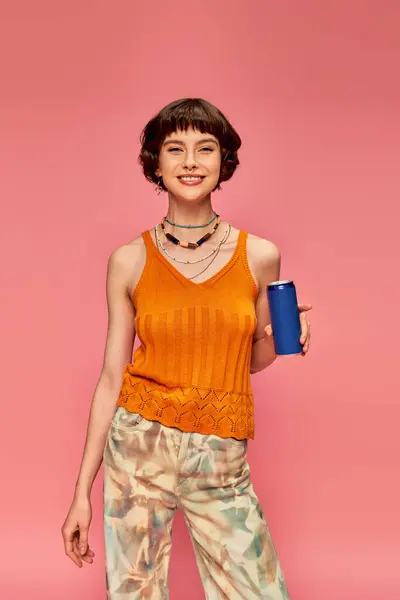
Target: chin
192,197
195,193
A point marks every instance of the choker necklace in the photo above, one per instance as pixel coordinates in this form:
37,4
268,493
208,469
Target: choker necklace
191,226
190,245
191,262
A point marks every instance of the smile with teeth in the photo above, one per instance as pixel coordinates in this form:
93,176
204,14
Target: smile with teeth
190,179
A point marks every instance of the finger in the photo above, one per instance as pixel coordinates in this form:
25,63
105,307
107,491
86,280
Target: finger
304,307
69,551
305,349
69,536
304,328
308,336
268,330
87,559
83,540
76,549
88,556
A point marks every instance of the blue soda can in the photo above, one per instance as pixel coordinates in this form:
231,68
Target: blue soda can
285,318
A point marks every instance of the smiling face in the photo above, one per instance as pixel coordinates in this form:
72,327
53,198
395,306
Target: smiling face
189,163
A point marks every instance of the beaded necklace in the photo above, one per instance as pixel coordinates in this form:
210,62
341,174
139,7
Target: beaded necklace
191,262
190,245
212,259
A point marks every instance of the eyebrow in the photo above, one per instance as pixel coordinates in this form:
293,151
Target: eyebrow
203,141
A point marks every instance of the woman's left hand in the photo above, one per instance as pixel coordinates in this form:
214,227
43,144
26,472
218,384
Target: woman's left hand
305,328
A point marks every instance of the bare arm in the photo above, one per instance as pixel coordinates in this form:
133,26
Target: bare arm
265,261
118,352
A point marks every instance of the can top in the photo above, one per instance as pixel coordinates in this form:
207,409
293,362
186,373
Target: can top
283,281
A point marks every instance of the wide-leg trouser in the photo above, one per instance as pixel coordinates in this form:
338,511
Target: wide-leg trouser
149,470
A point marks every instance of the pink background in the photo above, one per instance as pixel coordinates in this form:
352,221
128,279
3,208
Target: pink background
313,89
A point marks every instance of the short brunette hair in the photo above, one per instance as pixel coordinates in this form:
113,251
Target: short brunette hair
180,115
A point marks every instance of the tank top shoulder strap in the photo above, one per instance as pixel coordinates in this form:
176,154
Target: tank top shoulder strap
150,253
242,252
242,244
150,247
242,240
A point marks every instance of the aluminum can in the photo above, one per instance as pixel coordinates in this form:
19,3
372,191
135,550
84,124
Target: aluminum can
285,318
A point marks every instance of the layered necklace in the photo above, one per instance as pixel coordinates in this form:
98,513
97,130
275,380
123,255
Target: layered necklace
192,245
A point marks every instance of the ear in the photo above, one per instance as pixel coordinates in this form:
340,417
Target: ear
158,172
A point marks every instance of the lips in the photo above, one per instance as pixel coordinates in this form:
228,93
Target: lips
191,179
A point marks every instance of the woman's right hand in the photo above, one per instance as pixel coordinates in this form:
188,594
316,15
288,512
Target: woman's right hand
75,532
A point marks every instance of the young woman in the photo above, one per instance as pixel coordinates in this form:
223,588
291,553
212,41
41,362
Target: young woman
174,434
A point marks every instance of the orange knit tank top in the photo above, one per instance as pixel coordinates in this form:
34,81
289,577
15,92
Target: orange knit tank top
192,368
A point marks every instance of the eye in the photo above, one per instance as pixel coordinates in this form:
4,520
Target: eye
208,149
173,149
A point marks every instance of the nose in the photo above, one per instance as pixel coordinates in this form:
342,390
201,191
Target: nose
189,161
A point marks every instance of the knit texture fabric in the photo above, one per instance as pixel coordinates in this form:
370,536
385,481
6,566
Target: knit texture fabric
192,368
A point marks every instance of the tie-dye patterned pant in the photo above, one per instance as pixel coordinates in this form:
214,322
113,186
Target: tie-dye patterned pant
149,470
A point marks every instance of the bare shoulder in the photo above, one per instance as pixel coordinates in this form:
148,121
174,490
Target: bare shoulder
264,260
262,252
127,262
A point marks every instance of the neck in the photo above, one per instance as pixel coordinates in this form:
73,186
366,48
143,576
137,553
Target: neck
188,213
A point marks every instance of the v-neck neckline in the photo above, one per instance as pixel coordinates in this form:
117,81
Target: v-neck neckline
188,281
